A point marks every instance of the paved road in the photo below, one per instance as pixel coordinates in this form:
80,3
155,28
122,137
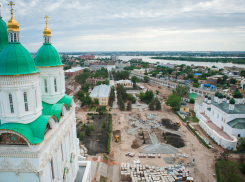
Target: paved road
159,149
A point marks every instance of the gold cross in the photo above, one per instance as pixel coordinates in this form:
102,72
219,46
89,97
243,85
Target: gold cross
46,19
11,4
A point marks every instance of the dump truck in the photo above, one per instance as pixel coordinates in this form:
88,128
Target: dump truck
178,124
159,87
117,139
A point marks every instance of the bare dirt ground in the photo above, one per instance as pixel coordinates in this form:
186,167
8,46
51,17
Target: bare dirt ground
163,91
204,158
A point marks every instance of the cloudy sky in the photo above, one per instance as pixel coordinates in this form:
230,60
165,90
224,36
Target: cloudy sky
132,25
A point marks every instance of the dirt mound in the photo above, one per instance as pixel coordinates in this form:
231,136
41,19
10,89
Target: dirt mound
175,140
169,124
117,132
136,144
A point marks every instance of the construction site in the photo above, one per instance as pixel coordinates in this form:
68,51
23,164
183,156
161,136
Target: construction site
153,146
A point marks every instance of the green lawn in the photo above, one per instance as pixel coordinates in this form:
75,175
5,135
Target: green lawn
192,119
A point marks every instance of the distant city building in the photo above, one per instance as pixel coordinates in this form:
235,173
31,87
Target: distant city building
87,57
93,81
101,92
196,75
114,58
96,67
136,59
233,68
122,64
74,71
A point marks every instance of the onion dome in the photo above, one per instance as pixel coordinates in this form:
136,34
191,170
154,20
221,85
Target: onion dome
209,98
228,98
12,24
237,94
224,96
216,94
46,30
206,96
47,55
16,60
220,96
232,101
3,34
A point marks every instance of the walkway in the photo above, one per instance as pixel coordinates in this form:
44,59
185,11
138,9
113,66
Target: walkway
159,149
218,130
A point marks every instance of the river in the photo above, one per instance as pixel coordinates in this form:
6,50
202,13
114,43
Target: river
148,59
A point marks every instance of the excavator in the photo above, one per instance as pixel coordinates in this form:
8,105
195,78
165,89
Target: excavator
117,139
178,124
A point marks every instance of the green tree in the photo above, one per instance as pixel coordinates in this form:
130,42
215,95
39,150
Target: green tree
85,87
233,81
141,96
101,110
87,100
152,106
241,143
81,137
195,85
157,92
146,79
80,95
96,101
229,171
88,131
93,116
174,101
122,106
181,90
158,105
104,124
129,106
192,100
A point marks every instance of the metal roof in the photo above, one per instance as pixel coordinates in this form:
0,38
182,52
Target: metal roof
16,60
121,81
238,123
100,91
47,55
238,109
76,69
3,33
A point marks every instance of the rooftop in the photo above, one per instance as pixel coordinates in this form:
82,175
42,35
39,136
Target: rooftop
121,81
100,91
238,109
238,123
76,69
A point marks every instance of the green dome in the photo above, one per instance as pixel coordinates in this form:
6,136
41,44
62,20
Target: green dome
224,96
220,96
3,34
228,98
47,55
216,94
237,94
206,96
209,98
16,60
232,101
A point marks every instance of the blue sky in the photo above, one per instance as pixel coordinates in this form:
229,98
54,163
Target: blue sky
132,25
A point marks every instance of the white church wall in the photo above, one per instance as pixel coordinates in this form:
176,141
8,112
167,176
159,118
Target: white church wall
16,86
51,73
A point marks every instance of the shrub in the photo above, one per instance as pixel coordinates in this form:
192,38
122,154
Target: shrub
99,116
108,143
104,124
92,127
81,137
110,126
93,116
82,127
88,131
88,122
192,101
144,141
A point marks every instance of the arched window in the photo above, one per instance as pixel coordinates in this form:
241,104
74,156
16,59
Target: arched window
46,85
25,101
48,127
11,139
55,85
11,103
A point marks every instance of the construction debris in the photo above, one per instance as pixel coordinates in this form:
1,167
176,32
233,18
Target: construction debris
137,172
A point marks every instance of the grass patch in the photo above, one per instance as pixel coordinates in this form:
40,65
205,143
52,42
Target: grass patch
105,157
102,179
192,119
91,108
217,172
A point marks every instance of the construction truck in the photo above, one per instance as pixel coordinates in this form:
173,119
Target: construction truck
178,124
117,139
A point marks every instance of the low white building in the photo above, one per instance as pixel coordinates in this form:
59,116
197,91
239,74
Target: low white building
125,83
222,118
102,93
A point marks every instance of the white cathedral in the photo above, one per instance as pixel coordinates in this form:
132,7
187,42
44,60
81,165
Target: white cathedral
38,139
223,118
